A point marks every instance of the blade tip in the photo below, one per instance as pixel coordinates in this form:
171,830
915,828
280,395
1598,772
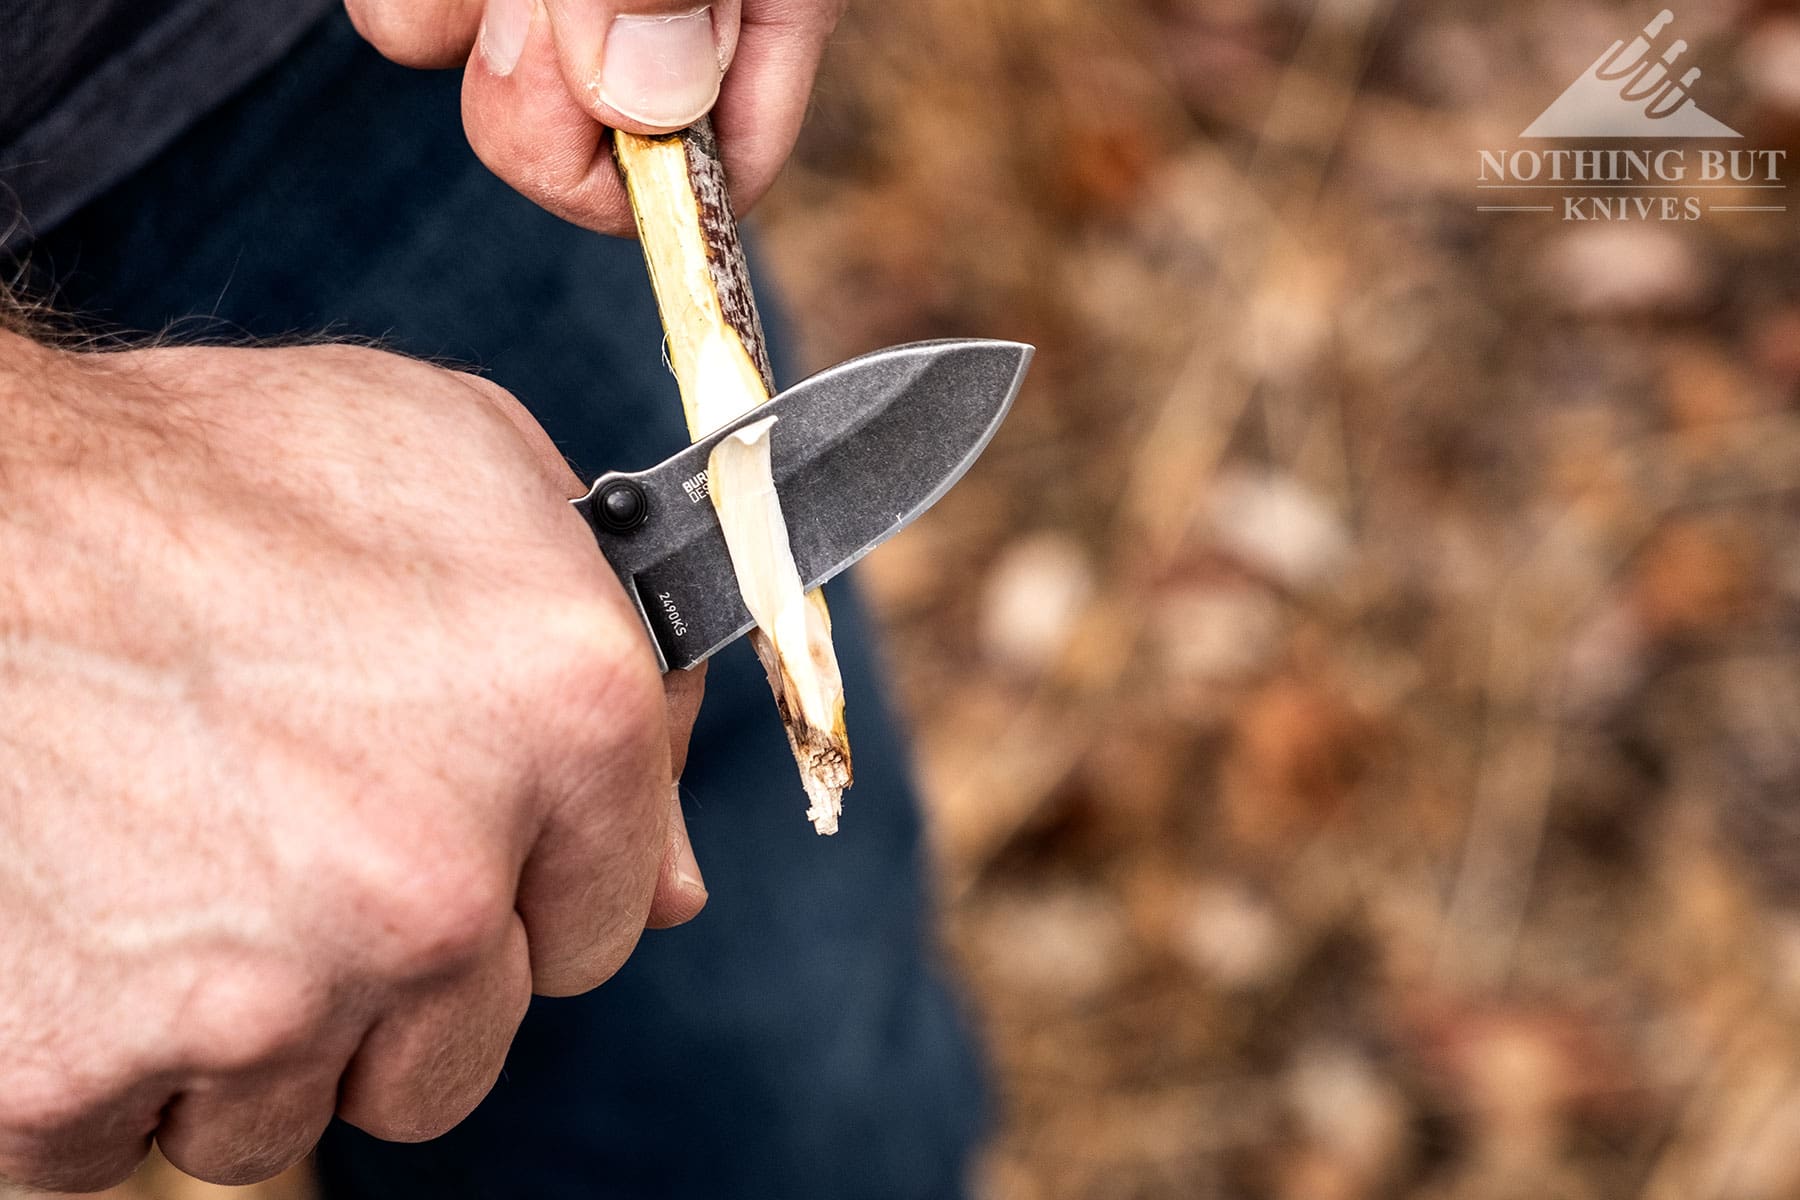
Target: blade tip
1020,351
1024,353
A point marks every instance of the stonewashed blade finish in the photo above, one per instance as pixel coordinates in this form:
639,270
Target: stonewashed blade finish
859,451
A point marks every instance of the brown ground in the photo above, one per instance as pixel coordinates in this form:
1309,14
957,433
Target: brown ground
1359,691
1358,694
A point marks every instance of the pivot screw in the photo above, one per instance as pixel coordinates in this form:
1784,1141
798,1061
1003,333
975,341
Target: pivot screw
622,506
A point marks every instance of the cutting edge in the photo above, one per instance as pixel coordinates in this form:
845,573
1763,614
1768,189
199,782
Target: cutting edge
955,474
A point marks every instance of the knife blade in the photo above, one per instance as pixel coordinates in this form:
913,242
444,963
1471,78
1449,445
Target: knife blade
858,451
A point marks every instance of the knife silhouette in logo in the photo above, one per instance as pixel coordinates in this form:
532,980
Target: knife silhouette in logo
1631,91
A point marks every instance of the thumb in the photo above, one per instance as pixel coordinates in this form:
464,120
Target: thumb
646,66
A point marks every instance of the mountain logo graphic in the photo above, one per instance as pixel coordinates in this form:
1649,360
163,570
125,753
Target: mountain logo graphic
1631,91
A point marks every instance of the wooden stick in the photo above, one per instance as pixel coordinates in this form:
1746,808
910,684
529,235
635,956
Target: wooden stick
720,358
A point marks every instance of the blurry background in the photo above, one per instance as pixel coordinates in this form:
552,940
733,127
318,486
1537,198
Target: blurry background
1358,694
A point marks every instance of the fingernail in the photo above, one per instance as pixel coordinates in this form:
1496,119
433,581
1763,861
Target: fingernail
687,867
660,70
504,28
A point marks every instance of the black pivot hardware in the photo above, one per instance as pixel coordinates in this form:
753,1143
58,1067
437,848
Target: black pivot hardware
622,506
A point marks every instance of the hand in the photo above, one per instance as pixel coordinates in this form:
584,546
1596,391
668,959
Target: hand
329,737
546,78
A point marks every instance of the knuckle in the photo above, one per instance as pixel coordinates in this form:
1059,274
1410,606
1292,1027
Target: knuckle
377,21
616,716
249,1019
413,34
590,663
554,172
615,690
430,917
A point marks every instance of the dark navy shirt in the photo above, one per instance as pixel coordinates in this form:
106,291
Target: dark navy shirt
91,89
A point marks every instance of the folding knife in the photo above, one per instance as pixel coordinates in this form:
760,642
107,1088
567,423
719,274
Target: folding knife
858,451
